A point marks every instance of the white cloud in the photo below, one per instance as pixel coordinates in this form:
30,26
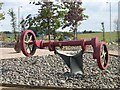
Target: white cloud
15,4
97,10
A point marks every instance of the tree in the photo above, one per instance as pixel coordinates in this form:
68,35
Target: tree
13,21
27,23
49,19
74,16
1,14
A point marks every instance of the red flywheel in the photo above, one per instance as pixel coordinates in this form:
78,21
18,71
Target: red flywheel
27,42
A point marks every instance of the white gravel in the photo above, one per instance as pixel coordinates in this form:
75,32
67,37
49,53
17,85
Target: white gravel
50,70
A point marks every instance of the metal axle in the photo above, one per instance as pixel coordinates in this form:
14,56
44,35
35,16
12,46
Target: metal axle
100,50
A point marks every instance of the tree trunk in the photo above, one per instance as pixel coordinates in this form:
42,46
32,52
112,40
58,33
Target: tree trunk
75,32
54,36
48,19
15,35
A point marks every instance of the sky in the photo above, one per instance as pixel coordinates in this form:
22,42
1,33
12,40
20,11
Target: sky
97,10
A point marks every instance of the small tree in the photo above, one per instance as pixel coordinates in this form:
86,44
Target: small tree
74,16
50,17
1,14
13,21
28,22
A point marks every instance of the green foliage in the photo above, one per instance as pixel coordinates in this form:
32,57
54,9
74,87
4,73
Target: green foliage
49,19
1,14
69,34
13,21
50,16
61,37
74,16
28,22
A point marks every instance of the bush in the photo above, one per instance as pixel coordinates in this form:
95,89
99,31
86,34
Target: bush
2,37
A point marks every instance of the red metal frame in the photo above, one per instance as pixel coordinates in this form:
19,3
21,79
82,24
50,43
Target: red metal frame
96,44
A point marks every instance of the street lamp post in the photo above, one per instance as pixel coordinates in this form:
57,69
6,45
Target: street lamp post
19,17
103,29
110,20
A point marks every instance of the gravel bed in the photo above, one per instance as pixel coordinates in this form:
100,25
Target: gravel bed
50,70
7,44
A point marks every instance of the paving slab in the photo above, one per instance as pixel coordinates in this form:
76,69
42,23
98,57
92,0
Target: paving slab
11,53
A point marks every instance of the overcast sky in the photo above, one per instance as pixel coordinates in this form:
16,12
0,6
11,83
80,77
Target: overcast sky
97,10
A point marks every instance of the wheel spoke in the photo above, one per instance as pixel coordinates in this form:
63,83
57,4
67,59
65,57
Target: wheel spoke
30,48
27,48
103,56
28,39
26,42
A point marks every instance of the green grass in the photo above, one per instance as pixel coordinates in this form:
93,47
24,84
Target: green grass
11,38
114,36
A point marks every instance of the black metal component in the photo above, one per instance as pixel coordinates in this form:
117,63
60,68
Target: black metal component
74,62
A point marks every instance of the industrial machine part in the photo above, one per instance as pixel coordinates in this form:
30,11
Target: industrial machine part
100,50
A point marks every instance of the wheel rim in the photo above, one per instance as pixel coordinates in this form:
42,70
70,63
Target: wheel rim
103,58
27,42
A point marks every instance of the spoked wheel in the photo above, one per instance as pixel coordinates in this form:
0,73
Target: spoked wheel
103,56
27,42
